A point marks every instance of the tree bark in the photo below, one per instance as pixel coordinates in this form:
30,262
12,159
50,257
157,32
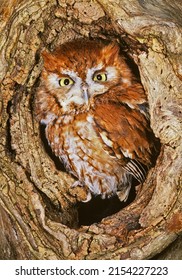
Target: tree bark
38,214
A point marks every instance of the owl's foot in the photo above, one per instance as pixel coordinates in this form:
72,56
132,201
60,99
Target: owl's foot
81,192
107,195
123,194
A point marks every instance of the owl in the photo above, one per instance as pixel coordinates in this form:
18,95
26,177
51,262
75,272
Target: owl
96,117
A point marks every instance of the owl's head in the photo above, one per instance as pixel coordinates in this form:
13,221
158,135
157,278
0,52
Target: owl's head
80,70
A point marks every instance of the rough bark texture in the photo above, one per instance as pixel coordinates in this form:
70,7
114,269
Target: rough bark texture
38,217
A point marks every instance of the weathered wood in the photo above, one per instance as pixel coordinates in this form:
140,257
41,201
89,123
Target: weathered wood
38,216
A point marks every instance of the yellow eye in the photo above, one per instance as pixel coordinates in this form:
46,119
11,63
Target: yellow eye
63,82
100,77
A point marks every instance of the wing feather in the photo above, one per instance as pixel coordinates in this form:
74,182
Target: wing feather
125,124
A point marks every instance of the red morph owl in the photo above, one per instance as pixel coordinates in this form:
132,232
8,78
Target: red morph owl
96,117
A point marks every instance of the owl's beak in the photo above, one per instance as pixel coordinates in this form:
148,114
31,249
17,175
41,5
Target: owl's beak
85,94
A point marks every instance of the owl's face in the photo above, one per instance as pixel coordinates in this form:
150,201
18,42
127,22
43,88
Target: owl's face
78,72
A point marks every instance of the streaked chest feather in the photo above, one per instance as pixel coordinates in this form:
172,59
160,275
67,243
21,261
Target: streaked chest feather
82,151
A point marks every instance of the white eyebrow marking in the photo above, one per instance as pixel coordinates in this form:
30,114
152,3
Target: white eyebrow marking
91,71
70,73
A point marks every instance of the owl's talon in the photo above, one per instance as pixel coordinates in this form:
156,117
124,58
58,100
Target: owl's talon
81,192
89,197
123,194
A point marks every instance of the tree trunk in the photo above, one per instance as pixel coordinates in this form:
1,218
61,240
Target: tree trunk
39,216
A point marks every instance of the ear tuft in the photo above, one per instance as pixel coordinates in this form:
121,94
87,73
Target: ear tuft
111,52
49,60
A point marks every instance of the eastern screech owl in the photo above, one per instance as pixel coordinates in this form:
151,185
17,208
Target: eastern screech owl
96,116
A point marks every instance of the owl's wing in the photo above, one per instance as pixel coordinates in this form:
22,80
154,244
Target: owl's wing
121,120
